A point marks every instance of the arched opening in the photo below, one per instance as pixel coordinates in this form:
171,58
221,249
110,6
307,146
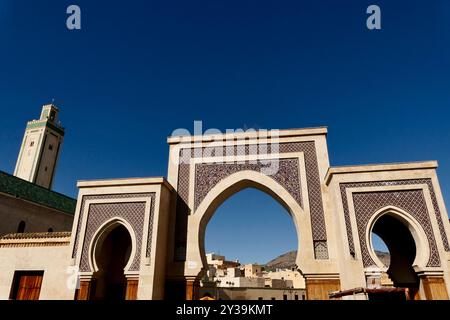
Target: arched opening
112,255
21,227
50,230
381,250
250,246
390,233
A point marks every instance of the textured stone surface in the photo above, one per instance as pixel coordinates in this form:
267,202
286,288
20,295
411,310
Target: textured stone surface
320,250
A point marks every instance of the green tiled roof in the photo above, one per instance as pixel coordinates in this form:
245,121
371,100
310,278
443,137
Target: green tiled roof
29,191
36,235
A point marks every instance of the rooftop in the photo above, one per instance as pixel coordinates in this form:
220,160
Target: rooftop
36,235
23,189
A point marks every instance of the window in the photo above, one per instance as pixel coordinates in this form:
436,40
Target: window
31,143
303,297
260,298
21,227
50,147
26,285
50,230
296,297
273,298
284,296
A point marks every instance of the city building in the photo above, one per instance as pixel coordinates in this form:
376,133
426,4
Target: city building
256,293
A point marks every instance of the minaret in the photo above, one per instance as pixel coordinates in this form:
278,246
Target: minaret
40,148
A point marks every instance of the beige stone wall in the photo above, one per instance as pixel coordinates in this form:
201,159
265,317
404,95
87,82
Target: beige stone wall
253,293
37,218
253,270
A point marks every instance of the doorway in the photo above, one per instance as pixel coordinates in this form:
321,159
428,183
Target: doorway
112,255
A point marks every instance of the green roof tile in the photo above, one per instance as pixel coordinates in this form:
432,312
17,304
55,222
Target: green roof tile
29,191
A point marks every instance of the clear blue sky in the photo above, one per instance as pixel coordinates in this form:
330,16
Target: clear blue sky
140,69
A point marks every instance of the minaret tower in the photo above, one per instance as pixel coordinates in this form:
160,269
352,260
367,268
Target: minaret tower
40,148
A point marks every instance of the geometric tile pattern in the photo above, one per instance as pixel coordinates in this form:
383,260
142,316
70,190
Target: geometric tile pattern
411,201
312,178
320,250
207,175
110,200
132,212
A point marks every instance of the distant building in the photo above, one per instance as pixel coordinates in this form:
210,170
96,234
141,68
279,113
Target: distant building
143,238
217,265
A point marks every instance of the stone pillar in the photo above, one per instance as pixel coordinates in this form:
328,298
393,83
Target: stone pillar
318,287
373,277
433,287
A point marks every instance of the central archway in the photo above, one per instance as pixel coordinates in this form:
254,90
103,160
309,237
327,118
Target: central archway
407,246
196,255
